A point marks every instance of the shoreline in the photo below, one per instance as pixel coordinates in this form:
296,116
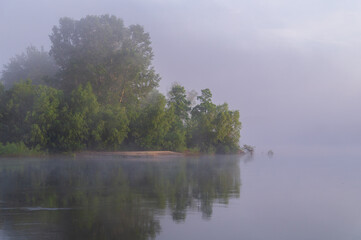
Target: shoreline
116,153
147,153
130,153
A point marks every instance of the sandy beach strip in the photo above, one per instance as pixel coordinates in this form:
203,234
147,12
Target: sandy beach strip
131,153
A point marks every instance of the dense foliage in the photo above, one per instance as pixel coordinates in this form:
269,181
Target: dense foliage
103,96
33,64
114,59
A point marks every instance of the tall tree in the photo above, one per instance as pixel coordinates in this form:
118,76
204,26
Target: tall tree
227,128
115,59
178,99
15,108
33,64
153,123
202,129
214,128
44,117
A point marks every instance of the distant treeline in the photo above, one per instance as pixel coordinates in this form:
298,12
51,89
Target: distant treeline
96,89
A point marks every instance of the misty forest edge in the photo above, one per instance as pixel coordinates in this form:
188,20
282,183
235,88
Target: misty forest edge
96,90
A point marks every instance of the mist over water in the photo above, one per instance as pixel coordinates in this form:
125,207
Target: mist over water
110,197
209,197
290,68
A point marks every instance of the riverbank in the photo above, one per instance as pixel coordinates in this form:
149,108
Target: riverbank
130,153
19,150
32,153
145,153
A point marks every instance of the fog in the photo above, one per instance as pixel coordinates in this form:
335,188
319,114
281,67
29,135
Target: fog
290,67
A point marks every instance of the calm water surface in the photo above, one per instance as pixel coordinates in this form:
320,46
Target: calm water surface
170,198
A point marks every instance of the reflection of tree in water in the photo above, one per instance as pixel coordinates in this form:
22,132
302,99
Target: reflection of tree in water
112,199
102,204
192,183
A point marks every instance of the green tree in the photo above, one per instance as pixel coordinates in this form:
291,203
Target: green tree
205,105
201,127
84,100
91,126
30,113
44,117
72,131
15,108
111,127
33,64
115,59
178,99
77,119
2,89
227,129
213,128
175,138
153,123
106,97
179,108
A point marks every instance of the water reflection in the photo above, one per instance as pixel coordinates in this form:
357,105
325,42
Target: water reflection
109,197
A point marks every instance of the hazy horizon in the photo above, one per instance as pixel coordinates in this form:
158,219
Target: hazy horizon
290,67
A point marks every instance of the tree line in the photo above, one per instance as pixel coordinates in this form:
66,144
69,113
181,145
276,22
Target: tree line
96,89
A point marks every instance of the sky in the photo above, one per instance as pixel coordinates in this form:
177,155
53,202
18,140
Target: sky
291,67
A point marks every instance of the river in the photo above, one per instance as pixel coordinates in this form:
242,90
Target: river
170,198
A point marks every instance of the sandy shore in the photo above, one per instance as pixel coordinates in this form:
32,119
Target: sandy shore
131,153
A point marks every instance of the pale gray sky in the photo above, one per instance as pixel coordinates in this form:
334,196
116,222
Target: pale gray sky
290,66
